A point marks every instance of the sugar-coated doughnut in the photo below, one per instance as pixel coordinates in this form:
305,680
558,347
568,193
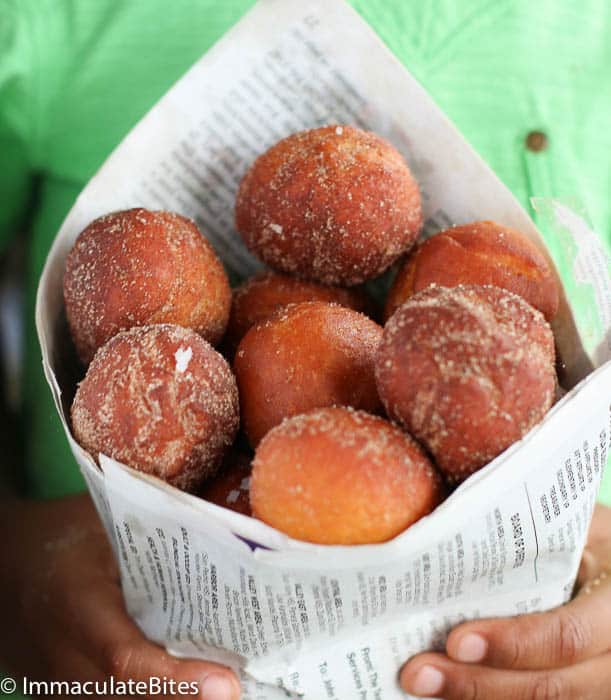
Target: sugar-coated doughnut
261,296
139,267
307,356
336,204
468,371
159,399
482,252
339,476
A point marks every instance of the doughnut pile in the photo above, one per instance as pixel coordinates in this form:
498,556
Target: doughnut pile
309,415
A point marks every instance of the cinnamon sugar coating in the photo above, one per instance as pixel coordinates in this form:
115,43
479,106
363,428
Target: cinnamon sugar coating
159,399
468,371
139,267
339,476
336,204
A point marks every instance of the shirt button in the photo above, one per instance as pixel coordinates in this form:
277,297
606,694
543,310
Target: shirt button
536,141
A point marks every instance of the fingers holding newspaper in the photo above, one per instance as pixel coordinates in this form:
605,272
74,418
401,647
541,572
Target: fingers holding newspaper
562,654
63,590
438,677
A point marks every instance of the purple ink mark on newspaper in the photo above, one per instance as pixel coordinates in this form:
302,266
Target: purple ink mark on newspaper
253,545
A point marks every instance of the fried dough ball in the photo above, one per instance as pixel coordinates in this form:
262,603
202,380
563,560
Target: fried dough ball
230,488
261,296
139,267
336,204
159,399
307,356
339,476
468,371
483,252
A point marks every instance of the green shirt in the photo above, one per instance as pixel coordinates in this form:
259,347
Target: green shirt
76,76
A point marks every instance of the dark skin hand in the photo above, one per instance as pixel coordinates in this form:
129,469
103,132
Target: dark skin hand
563,654
63,605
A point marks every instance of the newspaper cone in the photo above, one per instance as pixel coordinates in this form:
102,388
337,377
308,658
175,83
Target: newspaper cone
300,620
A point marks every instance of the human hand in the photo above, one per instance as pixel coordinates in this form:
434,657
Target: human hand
62,610
563,654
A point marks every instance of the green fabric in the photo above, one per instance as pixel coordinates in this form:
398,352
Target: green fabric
76,76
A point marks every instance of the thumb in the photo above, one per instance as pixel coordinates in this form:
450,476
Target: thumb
560,637
120,650
137,660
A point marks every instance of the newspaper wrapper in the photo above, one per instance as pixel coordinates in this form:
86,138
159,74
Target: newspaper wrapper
296,619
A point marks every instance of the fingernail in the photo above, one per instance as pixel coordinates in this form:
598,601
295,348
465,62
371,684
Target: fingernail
427,683
217,687
471,648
